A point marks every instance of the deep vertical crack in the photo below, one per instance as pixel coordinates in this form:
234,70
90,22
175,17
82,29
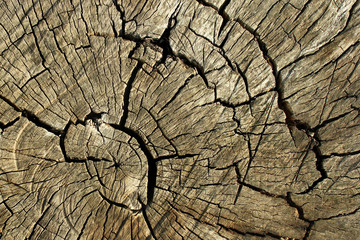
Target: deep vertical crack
62,142
147,221
291,121
319,165
152,169
220,11
127,92
308,230
164,41
122,16
224,16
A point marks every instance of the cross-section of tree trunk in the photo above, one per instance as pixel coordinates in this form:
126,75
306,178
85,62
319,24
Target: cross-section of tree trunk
168,119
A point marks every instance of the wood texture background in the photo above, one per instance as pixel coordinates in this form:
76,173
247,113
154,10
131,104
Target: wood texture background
168,119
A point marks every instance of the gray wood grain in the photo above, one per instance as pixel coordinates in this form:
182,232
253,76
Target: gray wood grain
172,119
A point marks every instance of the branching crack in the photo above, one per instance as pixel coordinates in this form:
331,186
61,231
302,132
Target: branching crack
319,165
147,221
287,198
31,117
9,124
291,121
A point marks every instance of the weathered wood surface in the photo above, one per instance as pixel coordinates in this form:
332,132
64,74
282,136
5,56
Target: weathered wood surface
170,119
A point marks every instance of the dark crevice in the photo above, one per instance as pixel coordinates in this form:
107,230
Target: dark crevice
193,64
226,19
330,41
131,53
164,41
291,121
10,103
206,4
227,228
228,104
4,225
341,215
351,14
257,189
324,123
127,92
305,7
220,11
319,166
239,181
32,118
147,221
233,106
34,77
94,116
170,141
82,47
308,230
99,179
287,198
252,154
176,156
7,207
122,33
84,225
300,212
9,124
266,193
219,47
222,44
224,16
246,83
342,154
133,38
152,171
122,16
116,34
263,235
112,202
62,144
276,236
74,160
294,205
282,104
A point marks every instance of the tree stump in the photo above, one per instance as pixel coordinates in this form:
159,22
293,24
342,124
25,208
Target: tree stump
175,119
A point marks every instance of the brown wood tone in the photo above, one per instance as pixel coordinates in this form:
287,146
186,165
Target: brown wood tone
179,119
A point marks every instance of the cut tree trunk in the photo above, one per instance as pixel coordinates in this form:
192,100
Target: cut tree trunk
168,119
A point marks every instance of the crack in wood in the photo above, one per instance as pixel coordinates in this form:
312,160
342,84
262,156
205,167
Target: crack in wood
188,180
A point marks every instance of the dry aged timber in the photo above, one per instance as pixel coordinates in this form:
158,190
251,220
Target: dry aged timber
179,119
